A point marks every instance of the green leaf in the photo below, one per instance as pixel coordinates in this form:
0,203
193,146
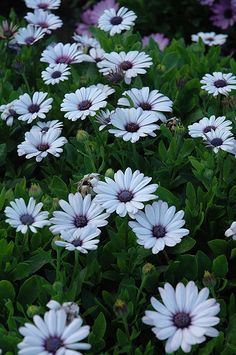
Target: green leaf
31,290
99,327
6,290
220,266
59,188
186,244
219,246
3,153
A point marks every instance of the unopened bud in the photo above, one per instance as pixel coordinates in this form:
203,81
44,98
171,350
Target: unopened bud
82,136
209,280
109,173
32,311
35,190
148,267
120,307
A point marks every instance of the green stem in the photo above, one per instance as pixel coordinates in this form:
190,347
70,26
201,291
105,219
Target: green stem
140,289
58,276
166,256
26,81
124,319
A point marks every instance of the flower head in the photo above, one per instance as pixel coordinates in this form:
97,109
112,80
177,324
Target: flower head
44,127
43,4
151,101
131,63
114,22
29,35
185,317
231,232
7,30
159,226
205,125
220,139
159,38
8,113
39,144
44,20
96,54
224,14
86,42
104,118
55,73
24,217
62,53
97,11
84,102
210,38
29,108
126,193
78,213
52,335
218,83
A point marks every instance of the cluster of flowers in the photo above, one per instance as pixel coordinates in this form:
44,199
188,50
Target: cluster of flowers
186,316
224,12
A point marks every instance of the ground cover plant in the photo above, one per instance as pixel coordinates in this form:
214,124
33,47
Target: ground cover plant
117,192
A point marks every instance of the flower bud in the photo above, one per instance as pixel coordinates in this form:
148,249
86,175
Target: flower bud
32,311
120,307
209,280
35,190
109,173
148,267
82,136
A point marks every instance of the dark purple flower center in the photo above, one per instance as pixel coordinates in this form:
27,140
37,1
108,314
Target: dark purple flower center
12,112
210,39
43,6
216,142
97,60
158,231
53,344
43,147
80,221
209,128
29,40
43,24
145,106
84,105
26,219
125,196
220,83
8,33
116,20
77,242
182,320
132,127
228,13
33,108
63,59
126,65
116,76
56,74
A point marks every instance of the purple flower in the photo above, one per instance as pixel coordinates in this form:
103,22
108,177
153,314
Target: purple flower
82,29
224,14
86,17
206,2
159,38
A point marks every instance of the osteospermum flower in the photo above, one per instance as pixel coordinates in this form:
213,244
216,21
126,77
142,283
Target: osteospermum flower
126,193
231,232
43,127
62,53
185,317
218,83
149,100
106,89
82,240
96,54
114,22
52,335
7,29
206,124
43,4
29,108
220,139
55,73
84,102
39,144
159,226
86,42
24,217
44,19
71,309
104,118
210,38
224,14
131,64
29,35
159,38
132,124
78,213
8,113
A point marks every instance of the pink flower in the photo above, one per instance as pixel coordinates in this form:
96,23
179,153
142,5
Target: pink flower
82,29
86,17
159,38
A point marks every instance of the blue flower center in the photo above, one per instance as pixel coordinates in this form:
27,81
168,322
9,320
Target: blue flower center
33,108
26,219
216,142
29,40
209,128
182,320
116,20
125,196
126,65
80,221
158,231
77,242
220,83
132,127
53,344
84,105
56,74
146,106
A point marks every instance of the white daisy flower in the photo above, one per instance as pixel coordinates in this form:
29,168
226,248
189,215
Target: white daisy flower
86,42
133,123
23,217
218,83
8,113
52,335
82,240
44,127
71,309
78,213
210,38
116,21
29,108
106,89
185,318
29,35
206,124
104,118
84,102
62,54
220,139
159,226
39,144
149,100
126,193
55,73
96,55
43,4
231,232
131,64
44,19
